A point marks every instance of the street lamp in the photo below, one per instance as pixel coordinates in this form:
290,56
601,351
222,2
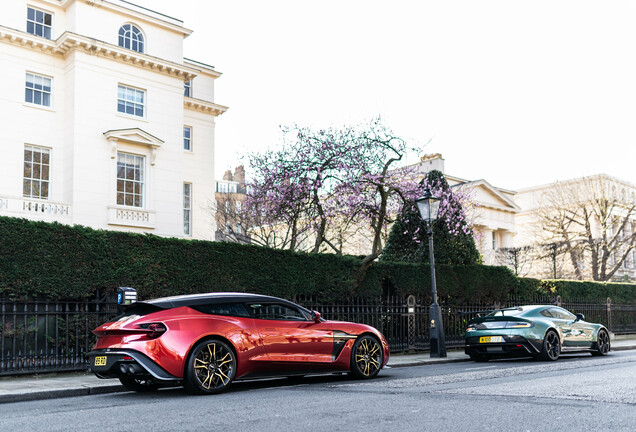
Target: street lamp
428,205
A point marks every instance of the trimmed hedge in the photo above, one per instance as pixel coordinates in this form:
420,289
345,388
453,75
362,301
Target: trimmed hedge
60,261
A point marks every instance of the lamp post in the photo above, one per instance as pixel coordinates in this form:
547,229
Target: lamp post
428,205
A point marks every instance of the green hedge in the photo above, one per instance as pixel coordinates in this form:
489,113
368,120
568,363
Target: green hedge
61,261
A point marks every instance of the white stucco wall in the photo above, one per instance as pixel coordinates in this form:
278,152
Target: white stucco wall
84,107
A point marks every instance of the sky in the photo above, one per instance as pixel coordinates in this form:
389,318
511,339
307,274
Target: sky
518,93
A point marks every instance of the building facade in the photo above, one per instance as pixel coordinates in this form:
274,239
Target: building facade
491,213
105,123
229,198
582,228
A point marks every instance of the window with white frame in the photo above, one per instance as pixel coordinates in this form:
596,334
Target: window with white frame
130,180
37,90
238,205
130,37
35,182
130,100
187,88
187,208
39,23
187,138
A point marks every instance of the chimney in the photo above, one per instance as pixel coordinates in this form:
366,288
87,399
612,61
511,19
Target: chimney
239,175
228,175
432,162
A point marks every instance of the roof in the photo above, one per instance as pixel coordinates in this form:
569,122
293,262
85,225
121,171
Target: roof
210,298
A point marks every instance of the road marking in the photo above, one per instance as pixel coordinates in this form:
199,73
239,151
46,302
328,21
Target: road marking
483,367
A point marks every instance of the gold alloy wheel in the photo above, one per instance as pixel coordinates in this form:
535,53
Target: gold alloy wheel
214,366
368,356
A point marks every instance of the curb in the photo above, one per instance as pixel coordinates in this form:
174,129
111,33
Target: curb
116,388
55,394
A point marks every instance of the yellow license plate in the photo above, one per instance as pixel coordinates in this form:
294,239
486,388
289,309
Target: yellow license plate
491,339
100,361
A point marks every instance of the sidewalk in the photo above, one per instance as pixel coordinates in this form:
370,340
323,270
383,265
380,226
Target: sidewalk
51,386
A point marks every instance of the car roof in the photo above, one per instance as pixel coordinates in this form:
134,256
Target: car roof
210,298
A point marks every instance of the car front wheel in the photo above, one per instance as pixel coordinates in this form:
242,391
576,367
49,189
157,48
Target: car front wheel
551,346
211,367
602,344
366,357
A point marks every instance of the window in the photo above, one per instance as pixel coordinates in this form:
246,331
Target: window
559,313
37,90
227,207
130,37
187,88
130,180
187,206
187,138
494,240
130,100
39,23
228,309
35,183
277,312
238,205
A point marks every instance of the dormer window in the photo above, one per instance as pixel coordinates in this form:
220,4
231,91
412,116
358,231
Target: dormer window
130,37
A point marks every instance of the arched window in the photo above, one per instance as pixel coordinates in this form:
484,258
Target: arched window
130,37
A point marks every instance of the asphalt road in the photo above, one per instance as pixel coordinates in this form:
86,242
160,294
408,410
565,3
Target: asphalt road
574,393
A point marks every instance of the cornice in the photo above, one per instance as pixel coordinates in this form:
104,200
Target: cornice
204,106
69,42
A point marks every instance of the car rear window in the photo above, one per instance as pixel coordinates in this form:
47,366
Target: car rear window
226,309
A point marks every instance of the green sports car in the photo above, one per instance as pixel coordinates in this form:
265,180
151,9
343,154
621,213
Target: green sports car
539,331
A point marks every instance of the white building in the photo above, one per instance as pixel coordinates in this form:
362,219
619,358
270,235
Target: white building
105,123
492,215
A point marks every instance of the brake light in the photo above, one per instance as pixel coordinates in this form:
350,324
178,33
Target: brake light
518,324
156,329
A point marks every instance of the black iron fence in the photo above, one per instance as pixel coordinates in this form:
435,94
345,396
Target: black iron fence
50,336
404,320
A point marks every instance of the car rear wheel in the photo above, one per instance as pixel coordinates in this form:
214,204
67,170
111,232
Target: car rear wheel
366,357
140,385
602,344
211,367
551,346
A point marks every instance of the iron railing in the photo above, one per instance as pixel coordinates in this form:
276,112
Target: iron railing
49,336
404,320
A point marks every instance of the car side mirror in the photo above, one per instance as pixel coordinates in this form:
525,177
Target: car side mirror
580,317
315,316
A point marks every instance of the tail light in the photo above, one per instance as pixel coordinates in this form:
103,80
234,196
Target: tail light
493,325
154,329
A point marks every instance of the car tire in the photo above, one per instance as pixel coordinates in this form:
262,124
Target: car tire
366,357
140,385
211,367
551,347
602,344
478,358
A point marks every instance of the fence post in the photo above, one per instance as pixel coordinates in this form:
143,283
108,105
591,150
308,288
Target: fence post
410,304
609,314
558,301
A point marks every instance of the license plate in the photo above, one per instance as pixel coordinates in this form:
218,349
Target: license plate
491,339
100,361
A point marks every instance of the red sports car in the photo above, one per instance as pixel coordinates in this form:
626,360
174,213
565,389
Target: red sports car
206,341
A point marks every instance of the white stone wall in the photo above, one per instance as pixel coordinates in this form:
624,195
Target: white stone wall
84,107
